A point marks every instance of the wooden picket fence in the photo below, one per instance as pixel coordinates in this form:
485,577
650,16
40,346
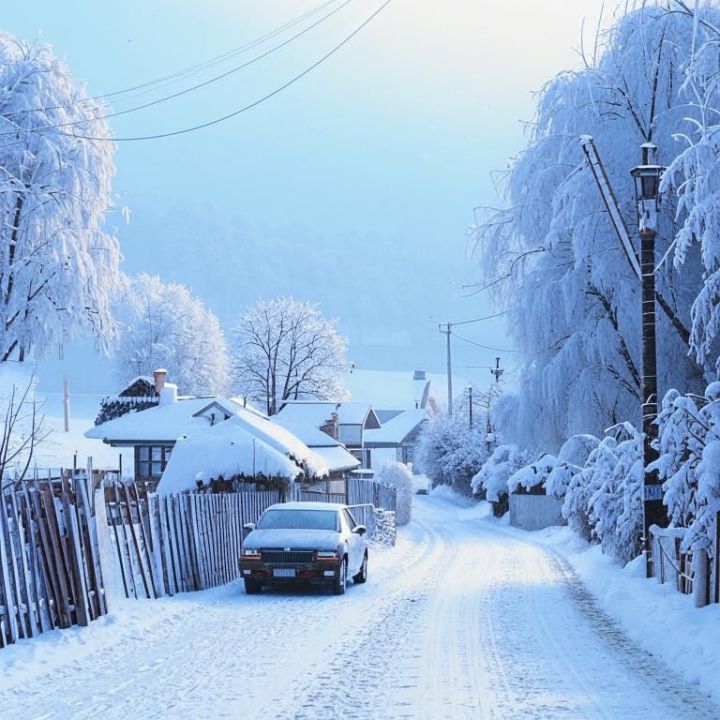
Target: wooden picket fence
166,544
50,574
361,491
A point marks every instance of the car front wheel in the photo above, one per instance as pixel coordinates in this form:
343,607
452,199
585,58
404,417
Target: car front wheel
340,582
361,577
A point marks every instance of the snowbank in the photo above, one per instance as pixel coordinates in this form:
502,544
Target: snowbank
656,617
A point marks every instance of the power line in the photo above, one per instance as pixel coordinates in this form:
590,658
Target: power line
192,88
487,317
485,347
191,70
249,106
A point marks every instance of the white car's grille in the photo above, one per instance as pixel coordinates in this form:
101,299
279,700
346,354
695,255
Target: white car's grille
287,557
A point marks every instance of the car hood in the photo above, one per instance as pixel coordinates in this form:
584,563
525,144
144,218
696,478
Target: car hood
281,538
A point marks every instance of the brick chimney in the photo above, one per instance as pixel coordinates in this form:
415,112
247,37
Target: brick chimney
331,426
160,374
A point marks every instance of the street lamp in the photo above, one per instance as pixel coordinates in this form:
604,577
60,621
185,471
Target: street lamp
647,194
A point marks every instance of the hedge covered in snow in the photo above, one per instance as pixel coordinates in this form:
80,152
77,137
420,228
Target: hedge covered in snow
600,480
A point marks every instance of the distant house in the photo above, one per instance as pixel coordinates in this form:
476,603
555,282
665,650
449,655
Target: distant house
396,440
155,432
391,392
345,422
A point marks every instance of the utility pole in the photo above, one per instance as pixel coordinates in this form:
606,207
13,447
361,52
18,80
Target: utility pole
470,405
447,331
647,188
647,191
497,371
66,404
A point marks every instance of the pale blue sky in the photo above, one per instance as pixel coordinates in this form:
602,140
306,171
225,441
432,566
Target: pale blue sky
395,136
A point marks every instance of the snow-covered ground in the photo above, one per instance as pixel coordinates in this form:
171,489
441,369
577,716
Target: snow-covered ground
60,446
462,619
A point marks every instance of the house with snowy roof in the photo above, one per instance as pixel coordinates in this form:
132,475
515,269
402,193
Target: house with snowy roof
248,442
396,440
345,422
391,392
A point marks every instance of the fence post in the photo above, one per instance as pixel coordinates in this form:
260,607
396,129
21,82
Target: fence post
717,557
700,578
106,551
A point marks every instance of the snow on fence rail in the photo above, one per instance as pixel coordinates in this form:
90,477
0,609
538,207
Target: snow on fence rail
50,573
690,572
166,544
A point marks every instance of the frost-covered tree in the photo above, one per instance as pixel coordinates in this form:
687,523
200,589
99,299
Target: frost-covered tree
450,452
551,256
22,427
694,175
163,325
399,476
284,349
57,263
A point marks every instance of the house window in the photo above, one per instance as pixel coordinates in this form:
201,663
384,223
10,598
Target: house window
150,461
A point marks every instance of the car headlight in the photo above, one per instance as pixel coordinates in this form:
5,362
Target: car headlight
250,554
327,555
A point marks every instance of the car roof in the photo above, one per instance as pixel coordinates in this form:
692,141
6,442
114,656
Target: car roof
297,505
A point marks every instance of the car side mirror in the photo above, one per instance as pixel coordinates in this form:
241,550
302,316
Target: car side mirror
359,529
249,527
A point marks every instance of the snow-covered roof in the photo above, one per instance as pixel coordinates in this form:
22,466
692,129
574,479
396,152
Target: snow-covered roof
280,438
164,423
387,389
227,448
337,458
394,431
331,450
316,414
400,390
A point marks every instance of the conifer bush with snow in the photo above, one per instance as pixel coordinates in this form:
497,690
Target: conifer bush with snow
493,477
399,476
689,463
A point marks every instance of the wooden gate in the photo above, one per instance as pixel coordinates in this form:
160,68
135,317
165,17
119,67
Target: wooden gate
50,573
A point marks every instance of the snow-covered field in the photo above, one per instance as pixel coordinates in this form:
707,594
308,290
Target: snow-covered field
462,619
59,447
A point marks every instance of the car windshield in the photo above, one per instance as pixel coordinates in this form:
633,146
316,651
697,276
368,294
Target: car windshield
298,520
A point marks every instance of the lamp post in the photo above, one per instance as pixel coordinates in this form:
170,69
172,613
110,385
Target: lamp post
647,194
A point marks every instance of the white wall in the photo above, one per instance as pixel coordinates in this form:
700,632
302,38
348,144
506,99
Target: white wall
535,512
382,456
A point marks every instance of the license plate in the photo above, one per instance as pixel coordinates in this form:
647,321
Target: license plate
283,572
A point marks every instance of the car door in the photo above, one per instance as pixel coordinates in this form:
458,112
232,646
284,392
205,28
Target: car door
356,544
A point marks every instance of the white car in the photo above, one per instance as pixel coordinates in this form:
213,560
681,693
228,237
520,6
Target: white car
304,542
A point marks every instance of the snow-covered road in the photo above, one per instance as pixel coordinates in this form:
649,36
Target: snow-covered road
461,620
